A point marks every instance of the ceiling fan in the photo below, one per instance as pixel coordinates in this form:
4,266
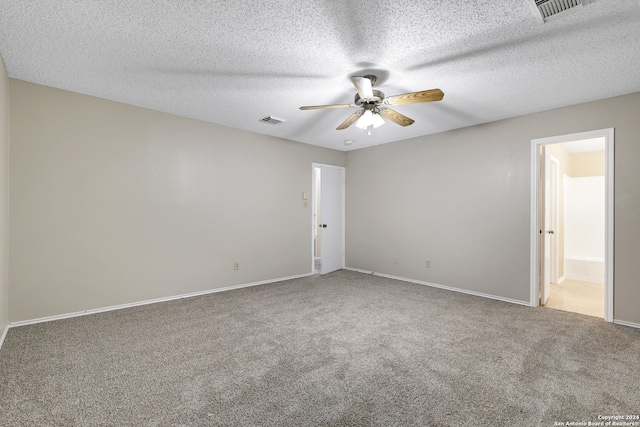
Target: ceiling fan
372,104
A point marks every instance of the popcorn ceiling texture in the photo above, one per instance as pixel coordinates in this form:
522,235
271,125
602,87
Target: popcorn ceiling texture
233,63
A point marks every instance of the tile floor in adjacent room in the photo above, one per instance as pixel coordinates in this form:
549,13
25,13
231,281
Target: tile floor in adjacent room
578,297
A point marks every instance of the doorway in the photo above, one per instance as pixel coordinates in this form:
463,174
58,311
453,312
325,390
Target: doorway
572,223
328,218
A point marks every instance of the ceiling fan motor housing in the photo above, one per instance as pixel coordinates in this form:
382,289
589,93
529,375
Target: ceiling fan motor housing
377,99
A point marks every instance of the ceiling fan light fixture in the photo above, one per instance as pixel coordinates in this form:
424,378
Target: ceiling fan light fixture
365,120
369,119
377,120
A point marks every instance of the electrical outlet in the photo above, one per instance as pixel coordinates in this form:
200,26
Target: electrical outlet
427,263
395,260
236,265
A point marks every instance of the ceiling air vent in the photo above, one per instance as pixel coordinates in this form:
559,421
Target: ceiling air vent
272,120
548,9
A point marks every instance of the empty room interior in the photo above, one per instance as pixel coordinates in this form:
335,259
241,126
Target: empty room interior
319,213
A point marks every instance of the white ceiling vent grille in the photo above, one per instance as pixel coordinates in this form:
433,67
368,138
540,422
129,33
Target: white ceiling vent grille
272,120
548,9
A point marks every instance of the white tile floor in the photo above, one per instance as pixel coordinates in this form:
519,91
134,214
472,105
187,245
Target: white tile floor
578,297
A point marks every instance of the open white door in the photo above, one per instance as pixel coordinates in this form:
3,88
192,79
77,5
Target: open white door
546,223
330,220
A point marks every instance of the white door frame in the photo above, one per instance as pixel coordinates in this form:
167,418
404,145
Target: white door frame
549,237
555,220
313,210
608,135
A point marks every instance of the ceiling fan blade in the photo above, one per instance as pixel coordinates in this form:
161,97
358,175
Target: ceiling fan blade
396,117
351,120
321,107
363,86
415,97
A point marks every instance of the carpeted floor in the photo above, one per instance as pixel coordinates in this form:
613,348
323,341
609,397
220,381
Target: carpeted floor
346,349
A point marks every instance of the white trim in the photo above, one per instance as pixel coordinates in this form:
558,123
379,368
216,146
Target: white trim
151,301
313,218
435,285
534,286
609,223
344,216
555,268
629,324
4,335
582,278
608,135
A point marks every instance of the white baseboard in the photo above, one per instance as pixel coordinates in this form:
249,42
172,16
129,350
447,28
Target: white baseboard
4,335
583,278
562,279
151,301
630,324
264,282
448,288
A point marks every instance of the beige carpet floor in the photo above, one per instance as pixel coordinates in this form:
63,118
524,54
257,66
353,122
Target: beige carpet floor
346,349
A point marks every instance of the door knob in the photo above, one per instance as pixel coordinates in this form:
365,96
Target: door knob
551,232
323,225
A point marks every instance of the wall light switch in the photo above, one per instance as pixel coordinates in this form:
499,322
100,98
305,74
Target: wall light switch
305,196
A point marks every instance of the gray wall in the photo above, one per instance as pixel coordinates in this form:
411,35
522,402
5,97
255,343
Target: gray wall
4,196
113,204
462,200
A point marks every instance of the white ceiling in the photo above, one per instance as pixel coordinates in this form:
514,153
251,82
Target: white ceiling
233,63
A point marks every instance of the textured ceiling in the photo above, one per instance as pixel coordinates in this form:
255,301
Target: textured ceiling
233,63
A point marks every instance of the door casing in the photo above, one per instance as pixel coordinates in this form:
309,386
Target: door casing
536,250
